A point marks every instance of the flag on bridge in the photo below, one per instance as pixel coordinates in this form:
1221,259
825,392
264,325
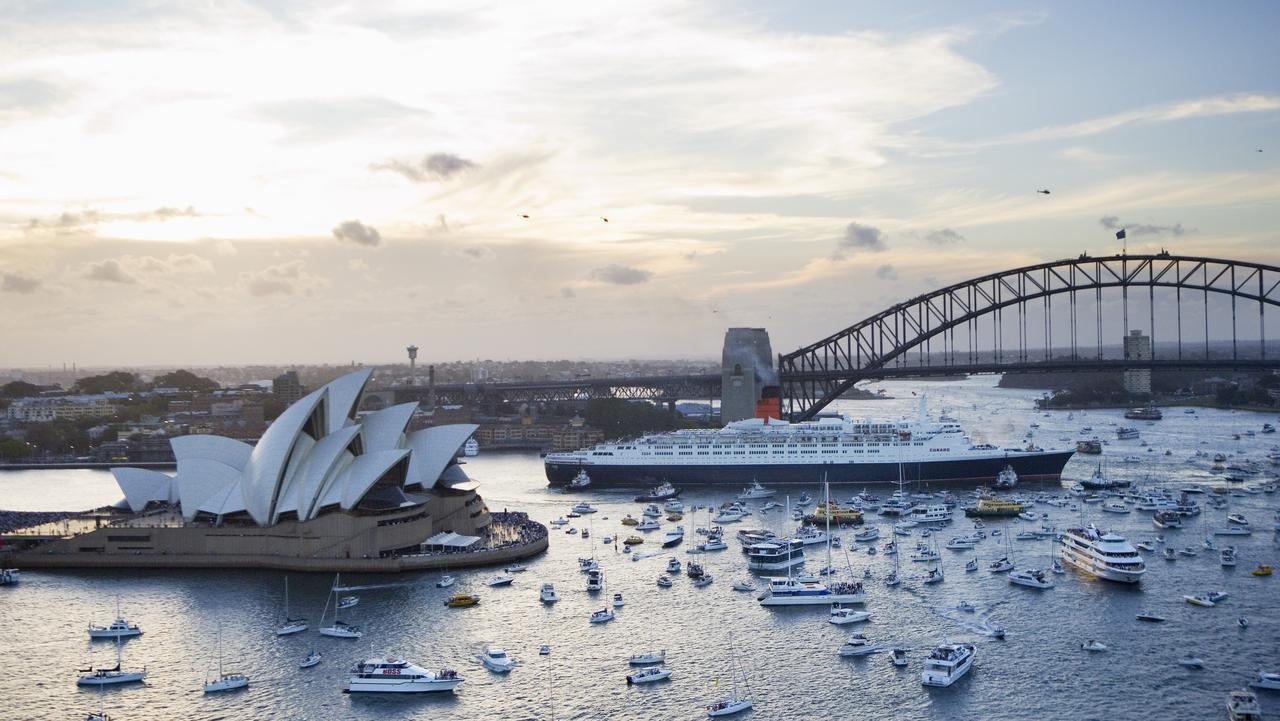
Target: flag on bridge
1120,234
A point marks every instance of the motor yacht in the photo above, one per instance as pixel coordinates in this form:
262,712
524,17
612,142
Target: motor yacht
118,628
497,660
947,664
604,615
775,555
794,592
755,491
1105,555
805,534
732,514
1228,556
841,616
1243,705
648,524
673,506
648,659
595,580
673,537
312,659
858,645
961,543
1191,662
651,674
1031,578
584,507
547,594
393,675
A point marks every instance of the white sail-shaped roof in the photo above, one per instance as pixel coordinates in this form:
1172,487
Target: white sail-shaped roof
142,486
384,429
265,469
433,449
313,456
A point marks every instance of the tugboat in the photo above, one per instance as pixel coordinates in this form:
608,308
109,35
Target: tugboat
1007,478
580,481
661,492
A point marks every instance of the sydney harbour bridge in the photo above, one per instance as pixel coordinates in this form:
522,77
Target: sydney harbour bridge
1060,316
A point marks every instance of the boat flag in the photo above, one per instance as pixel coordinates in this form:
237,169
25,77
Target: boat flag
1120,234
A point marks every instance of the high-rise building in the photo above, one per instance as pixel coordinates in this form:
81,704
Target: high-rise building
1137,346
746,370
287,388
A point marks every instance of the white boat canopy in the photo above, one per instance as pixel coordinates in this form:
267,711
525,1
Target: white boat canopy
451,540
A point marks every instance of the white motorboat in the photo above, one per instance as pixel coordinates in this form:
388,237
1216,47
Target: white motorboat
595,580
1243,705
1150,618
587,565
651,674
775,555
502,580
743,586
648,659
110,676
1232,531
348,601
617,601
1269,681
1191,662
1105,555
8,576
713,544
673,506
393,675
898,656
966,606
544,650
604,615
1094,646
652,511
445,581
648,524
947,664
547,594
516,568
497,660
673,537
561,521
841,615
225,681
729,515
754,491
291,625
703,581
797,592
584,507
925,554
117,629
1237,519
868,535
1228,556
1031,578
961,543
858,645
673,566
311,660
665,582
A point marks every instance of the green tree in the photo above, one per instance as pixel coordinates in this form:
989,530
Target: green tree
12,449
19,389
620,418
113,382
185,380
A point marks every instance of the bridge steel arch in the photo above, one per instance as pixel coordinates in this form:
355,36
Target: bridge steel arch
815,375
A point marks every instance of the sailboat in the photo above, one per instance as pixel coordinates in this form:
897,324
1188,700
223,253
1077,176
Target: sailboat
291,625
809,591
101,715
225,681
108,676
740,698
339,629
935,574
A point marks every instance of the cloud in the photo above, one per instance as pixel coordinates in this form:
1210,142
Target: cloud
567,292
354,231
321,119
476,252
887,272
1111,222
283,279
616,274
18,283
436,166
863,237
109,271
357,264
946,236
185,264
166,213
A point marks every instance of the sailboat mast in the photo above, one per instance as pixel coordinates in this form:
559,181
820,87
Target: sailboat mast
826,489
219,651
286,597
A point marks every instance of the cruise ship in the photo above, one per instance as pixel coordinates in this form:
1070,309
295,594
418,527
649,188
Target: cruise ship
1105,555
833,446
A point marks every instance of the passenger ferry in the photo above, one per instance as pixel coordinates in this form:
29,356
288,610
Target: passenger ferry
773,451
393,675
1105,555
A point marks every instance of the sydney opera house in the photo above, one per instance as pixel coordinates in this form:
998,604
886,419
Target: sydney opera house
321,490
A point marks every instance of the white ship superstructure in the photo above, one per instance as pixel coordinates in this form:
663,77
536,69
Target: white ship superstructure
1105,555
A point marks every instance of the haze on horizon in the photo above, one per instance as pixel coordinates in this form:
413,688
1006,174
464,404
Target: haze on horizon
309,182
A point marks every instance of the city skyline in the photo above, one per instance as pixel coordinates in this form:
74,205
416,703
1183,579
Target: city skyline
198,187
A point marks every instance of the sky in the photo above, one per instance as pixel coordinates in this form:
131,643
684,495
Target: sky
305,182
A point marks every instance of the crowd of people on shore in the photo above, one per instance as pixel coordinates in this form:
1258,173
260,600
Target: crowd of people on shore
11,521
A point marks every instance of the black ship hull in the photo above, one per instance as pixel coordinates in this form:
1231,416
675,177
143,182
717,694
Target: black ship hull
1046,466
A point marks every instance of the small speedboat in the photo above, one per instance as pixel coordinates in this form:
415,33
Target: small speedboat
547,594
1093,646
665,582
500,581
617,601
858,645
1261,570
966,606
743,586
898,656
446,581
1150,618
1191,662
312,659
462,600
1199,601
348,601
673,566
1269,681
1242,622
649,675
703,582
516,568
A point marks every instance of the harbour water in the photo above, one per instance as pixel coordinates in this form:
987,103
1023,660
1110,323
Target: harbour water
1037,671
